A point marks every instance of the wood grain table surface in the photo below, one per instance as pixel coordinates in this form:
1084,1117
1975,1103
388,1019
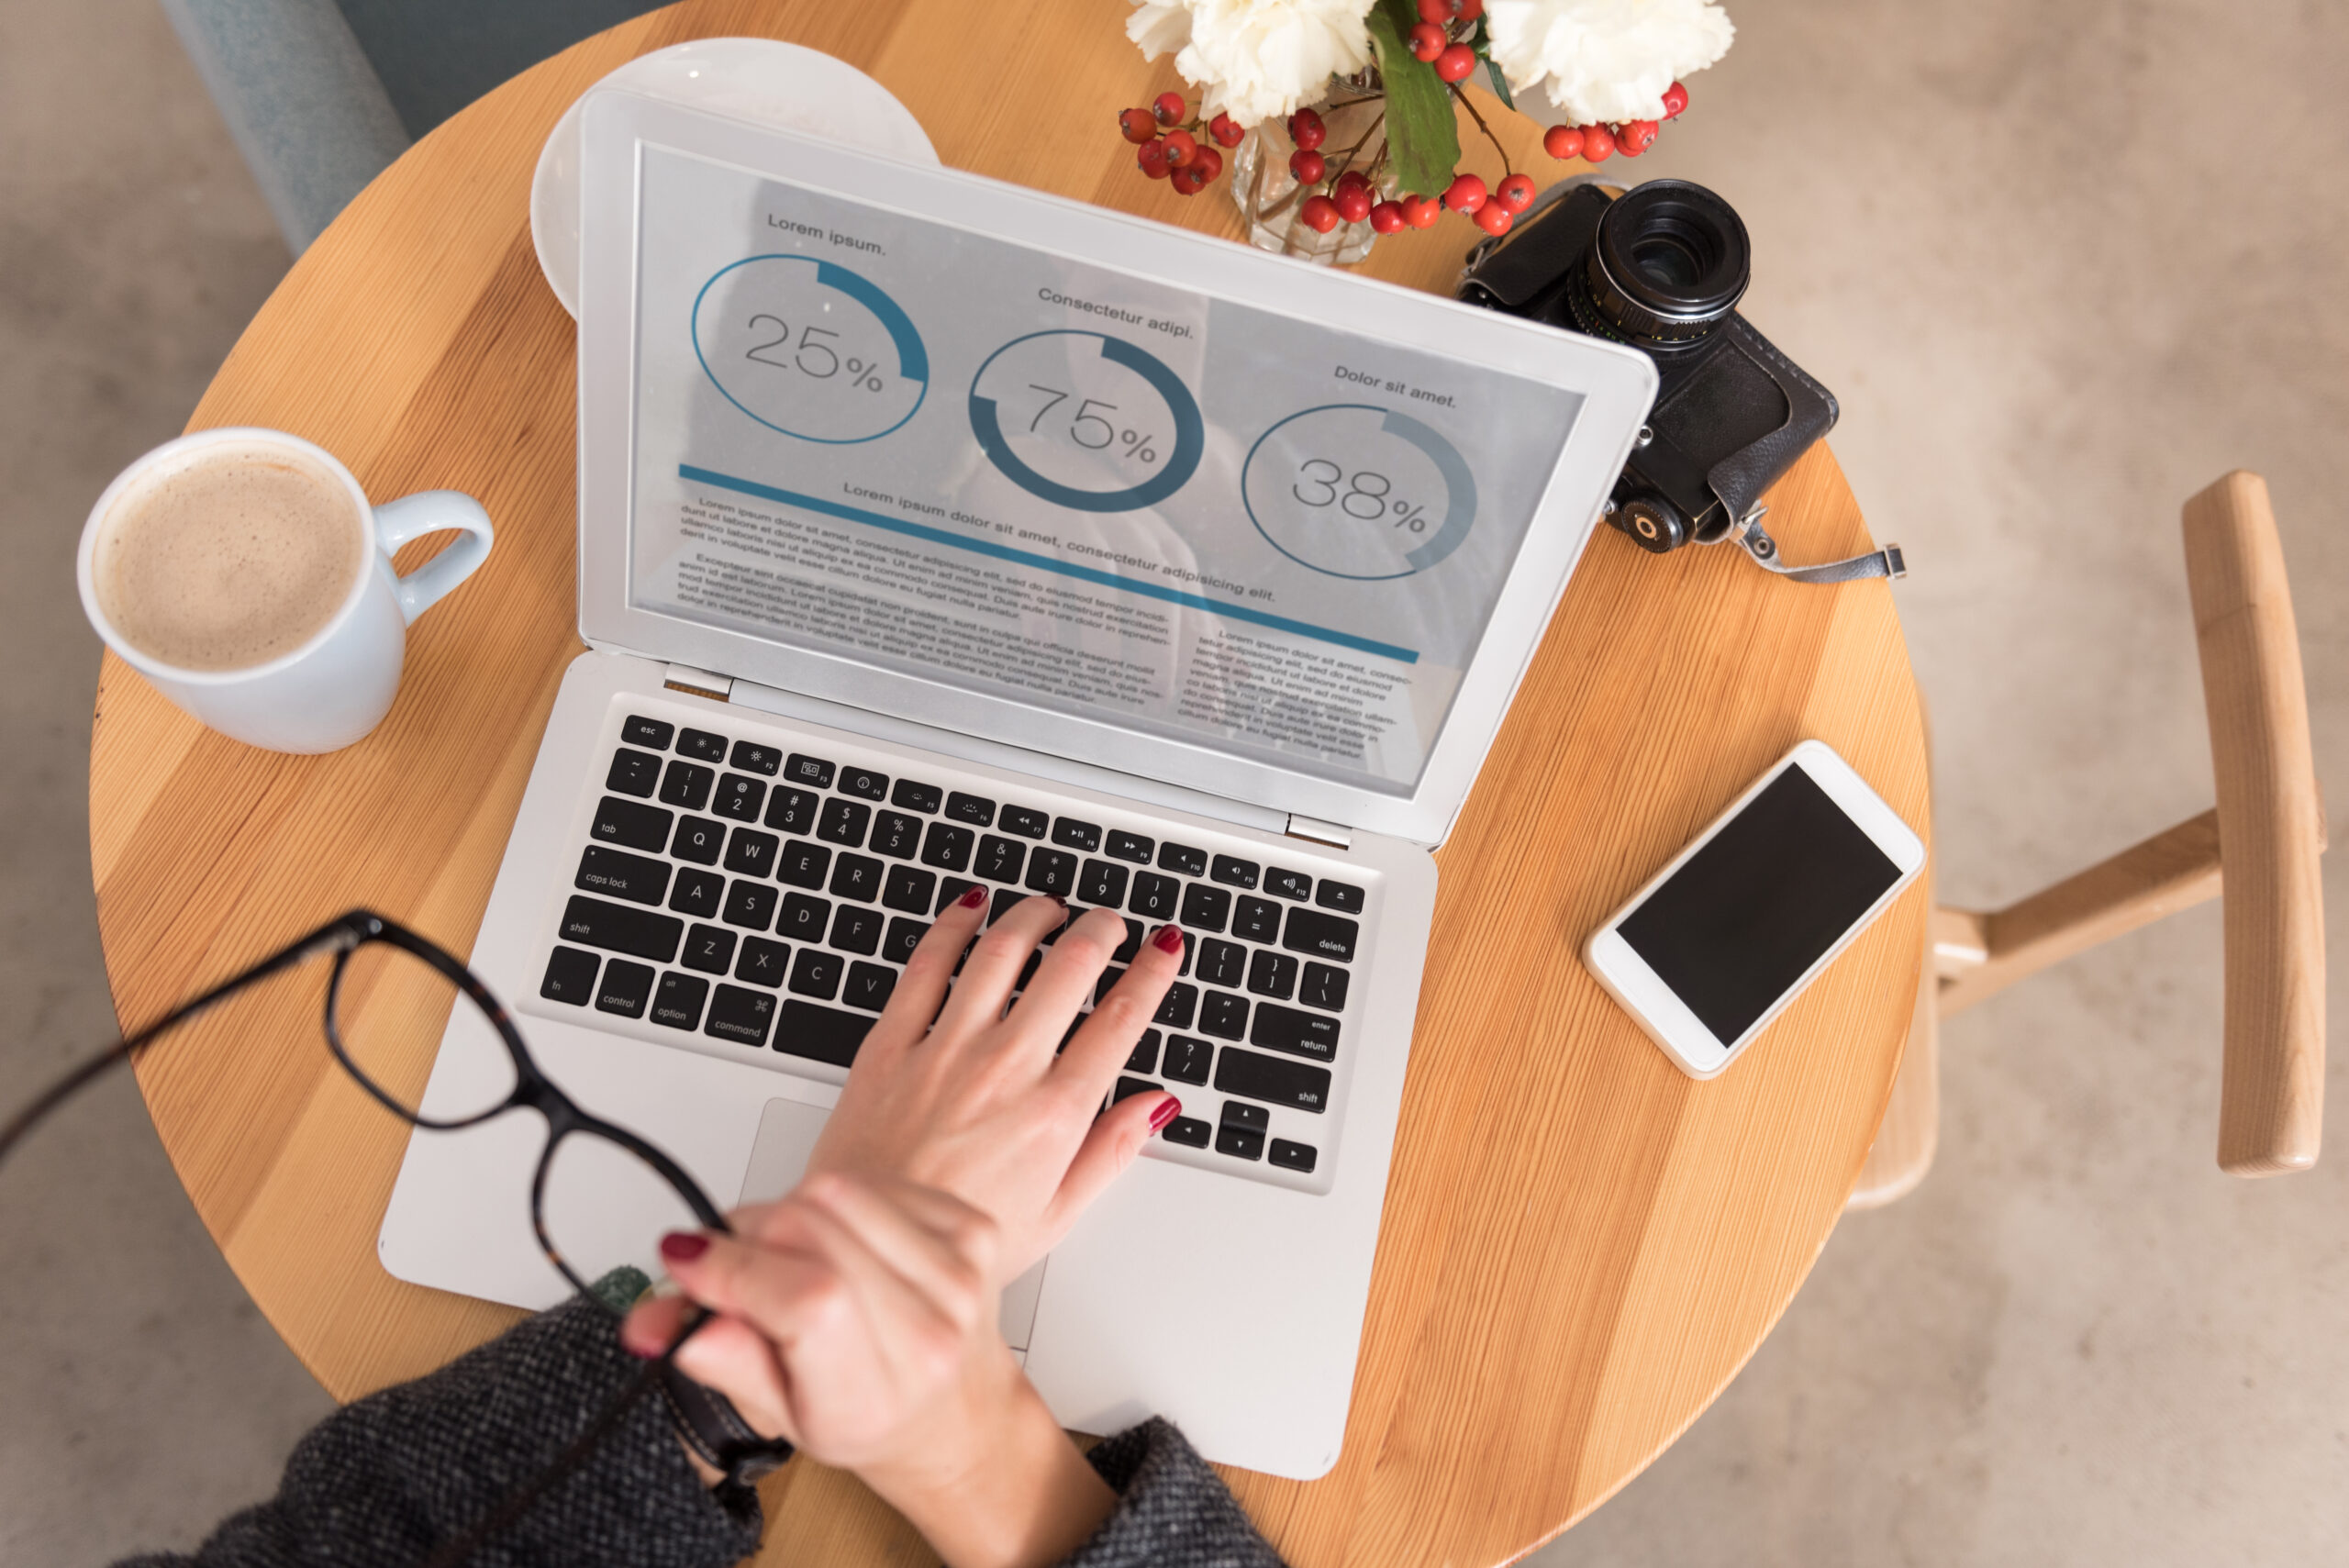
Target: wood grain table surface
1581,1245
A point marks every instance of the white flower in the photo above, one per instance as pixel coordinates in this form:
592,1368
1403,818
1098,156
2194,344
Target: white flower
1256,59
1605,62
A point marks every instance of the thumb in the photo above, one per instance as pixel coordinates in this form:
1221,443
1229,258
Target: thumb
1113,1143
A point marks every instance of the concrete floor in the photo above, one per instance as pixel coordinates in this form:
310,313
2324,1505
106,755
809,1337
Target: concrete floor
2063,265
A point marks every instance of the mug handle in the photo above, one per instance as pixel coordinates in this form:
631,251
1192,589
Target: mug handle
431,512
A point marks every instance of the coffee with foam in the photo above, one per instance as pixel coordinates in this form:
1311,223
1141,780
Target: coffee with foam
238,554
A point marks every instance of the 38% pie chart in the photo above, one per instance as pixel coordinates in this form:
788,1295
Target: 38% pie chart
810,348
1355,490
1086,422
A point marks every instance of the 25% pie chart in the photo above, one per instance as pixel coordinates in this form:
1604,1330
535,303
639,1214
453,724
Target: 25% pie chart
1086,422
810,348
1354,490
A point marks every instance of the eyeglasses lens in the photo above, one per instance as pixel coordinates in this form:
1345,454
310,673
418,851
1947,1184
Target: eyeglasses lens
603,1207
388,1015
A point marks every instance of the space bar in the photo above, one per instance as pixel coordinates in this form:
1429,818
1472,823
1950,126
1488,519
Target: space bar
820,1034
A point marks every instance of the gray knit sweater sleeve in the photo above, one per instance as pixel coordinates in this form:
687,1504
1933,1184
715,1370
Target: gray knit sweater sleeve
380,1484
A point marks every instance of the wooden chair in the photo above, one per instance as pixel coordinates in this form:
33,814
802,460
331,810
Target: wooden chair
2263,839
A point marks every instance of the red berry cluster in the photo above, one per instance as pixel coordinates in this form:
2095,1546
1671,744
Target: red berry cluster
1597,143
1442,37
1173,142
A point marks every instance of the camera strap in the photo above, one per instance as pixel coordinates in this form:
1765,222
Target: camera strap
1763,551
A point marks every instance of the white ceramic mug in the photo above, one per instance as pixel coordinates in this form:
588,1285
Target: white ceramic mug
337,686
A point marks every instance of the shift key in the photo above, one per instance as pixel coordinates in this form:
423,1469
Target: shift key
1272,1079
616,927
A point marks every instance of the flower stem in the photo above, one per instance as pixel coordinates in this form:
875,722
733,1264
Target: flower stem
1507,168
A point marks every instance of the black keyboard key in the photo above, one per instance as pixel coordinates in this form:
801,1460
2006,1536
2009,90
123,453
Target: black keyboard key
617,928
1182,1003
1025,823
857,877
803,865
1221,962
976,810
820,1034
1272,1079
1129,1087
742,1017
1187,1130
813,772
1255,1118
844,822
803,919
1107,983
1071,834
1155,897
750,905
1341,896
1183,859
895,834
687,783
633,772
1288,883
817,973
1052,871
1204,908
856,929
739,798
749,853
1298,1034
1125,846
1258,919
1274,974
698,840
1145,1053
1233,871
632,824
627,989
865,782
762,962
999,859
619,875
701,745
1324,987
792,810
1239,1143
753,757
1321,936
949,888
709,948
638,730
1187,1059
1297,1157
1223,1015
1131,946
947,846
1006,900
1102,884
677,1002
869,985
908,889
903,936
570,977
698,893
913,797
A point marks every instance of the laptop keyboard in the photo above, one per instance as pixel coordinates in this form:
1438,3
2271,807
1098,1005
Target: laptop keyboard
768,898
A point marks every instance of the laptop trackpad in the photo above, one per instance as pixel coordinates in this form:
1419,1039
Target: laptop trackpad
787,1133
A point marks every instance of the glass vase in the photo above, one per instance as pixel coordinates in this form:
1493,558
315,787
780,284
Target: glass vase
1270,199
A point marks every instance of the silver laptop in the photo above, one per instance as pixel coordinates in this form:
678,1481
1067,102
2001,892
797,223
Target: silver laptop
935,531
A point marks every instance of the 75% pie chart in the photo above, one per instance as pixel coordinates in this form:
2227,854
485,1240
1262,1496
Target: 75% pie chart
1086,422
810,348
1354,490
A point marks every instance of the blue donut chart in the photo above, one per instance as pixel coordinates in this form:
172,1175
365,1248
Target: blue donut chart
1460,485
913,359
1190,432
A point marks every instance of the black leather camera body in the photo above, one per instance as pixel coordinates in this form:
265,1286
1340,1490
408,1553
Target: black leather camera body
1661,268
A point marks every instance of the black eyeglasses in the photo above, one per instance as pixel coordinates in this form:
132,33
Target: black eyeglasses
593,1182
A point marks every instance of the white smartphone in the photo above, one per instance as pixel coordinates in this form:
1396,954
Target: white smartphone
1719,941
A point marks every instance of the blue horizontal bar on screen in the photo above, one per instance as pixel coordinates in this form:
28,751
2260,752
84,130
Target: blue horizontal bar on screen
1046,564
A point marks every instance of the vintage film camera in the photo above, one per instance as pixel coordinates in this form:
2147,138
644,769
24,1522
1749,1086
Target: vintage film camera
1661,267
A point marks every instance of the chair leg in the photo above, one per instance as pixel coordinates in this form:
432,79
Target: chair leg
1904,1145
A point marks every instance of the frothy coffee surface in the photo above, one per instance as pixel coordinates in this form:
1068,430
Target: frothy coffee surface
234,555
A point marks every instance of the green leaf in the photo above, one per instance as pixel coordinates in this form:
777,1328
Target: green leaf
1421,136
1500,82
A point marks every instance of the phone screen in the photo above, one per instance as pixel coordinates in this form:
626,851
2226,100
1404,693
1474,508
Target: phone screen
1738,924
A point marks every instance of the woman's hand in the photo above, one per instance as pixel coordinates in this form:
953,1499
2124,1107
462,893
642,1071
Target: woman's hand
978,1103
857,1317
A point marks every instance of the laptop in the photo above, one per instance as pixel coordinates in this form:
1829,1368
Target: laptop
936,531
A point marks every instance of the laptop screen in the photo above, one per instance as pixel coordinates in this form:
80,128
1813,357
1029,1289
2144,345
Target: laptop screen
950,454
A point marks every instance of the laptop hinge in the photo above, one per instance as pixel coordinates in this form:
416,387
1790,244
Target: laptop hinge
1320,832
698,682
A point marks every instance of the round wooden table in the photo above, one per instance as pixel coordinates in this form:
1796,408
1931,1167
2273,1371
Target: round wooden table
1581,1245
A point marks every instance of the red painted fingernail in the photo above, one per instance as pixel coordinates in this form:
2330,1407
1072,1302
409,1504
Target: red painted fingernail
682,1245
1169,939
1168,1109
972,897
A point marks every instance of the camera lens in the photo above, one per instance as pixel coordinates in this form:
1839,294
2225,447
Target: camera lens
1670,260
